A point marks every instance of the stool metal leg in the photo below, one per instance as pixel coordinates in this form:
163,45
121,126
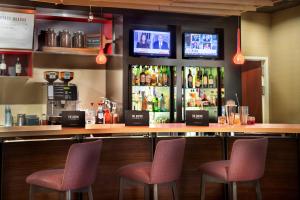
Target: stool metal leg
146,192
203,181
258,191
121,188
68,195
175,191
234,191
230,191
61,196
31,192
155,192
90,193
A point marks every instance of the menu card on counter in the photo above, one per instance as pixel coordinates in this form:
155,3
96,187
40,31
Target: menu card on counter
197,118
73,119
16,30
136,118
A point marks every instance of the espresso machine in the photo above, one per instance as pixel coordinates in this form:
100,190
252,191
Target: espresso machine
61,96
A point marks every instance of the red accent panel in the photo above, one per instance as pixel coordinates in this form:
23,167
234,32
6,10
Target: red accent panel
107,31
25,58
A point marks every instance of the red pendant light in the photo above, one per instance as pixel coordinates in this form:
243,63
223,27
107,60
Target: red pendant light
101,58
238,58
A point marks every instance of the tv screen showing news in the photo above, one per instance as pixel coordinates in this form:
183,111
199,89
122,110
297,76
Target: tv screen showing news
201,45
151,43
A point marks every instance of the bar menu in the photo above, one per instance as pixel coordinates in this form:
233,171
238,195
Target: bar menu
16,30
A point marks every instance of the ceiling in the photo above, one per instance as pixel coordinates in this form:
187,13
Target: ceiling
199,7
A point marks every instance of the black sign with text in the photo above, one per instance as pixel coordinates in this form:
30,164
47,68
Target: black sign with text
136,118
197,118
73,119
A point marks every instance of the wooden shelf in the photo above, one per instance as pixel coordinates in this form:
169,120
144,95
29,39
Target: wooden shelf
73,51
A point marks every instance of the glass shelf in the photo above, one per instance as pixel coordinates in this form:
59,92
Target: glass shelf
202,88
151,86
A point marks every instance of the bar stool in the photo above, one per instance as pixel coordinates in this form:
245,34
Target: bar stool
247,164
78,175
165,168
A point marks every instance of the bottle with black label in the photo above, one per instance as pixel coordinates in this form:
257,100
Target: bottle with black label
3,66
18,67
190,79
198,78
210,79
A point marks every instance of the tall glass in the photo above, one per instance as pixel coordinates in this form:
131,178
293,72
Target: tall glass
244,112
230,113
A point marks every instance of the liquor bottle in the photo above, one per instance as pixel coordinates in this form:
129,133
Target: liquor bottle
149,99
169,76
160,77
198,78
190,79
162,103
222,78
210,79
153,76
139,101
18,67
165,76
205,79
3,66
100,114
155,102
143,77
137,76
134,71
144,101
148,76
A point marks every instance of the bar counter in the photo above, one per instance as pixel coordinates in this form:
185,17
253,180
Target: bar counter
28,149
57,130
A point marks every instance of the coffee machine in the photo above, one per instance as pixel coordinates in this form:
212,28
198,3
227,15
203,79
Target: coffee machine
61,96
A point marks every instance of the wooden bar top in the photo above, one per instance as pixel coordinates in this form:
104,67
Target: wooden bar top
57,130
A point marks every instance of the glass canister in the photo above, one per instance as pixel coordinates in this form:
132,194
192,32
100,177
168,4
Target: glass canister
65,39
79,39
50,38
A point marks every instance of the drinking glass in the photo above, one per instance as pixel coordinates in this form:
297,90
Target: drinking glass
244,112
230,112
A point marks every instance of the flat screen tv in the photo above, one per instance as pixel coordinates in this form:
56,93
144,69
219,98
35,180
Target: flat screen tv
151,43
201,45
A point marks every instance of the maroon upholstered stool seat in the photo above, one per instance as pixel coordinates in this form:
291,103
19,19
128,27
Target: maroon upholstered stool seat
51,179
165,168
139,172
78,175
218,169
247,164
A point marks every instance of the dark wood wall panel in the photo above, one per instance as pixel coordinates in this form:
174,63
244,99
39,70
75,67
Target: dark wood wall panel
198,151
115,154
281,180
23,158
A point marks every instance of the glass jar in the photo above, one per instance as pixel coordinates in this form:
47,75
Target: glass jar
79,39
50,38
65,39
